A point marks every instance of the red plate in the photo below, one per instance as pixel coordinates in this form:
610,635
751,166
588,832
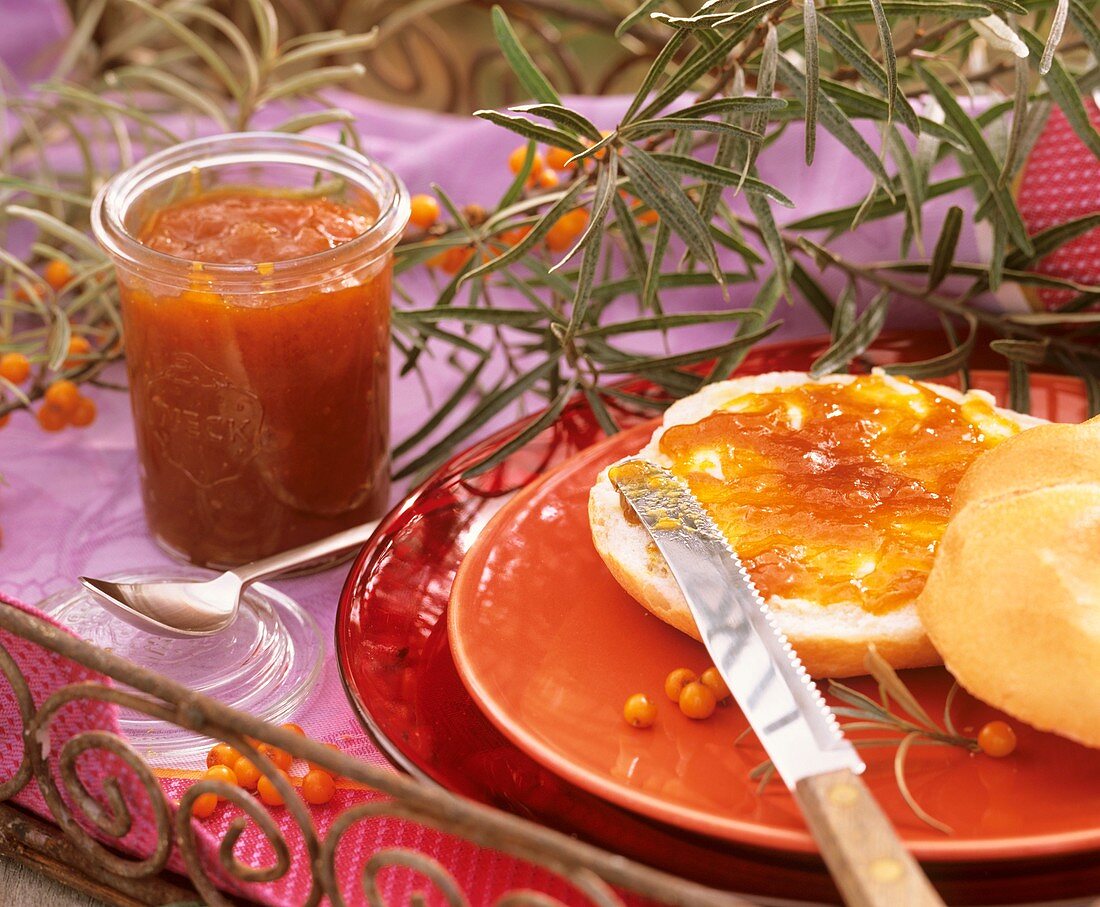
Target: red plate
396,662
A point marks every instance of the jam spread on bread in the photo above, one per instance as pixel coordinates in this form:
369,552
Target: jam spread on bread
835,492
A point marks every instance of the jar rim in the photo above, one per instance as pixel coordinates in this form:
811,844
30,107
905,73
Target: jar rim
120,192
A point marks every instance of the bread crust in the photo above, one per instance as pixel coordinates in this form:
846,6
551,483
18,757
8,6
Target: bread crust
832,641
1013,599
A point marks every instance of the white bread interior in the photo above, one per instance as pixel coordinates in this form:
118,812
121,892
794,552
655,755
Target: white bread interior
1013,599
831,640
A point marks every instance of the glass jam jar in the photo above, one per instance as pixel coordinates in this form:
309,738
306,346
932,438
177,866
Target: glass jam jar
254,274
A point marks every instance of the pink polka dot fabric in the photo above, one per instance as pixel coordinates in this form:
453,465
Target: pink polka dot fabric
1061,182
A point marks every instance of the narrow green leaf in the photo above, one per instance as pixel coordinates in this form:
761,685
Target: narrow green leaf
1084,21
651,300
1053,238
813,293
1019,386
735,244
769,232
660,189
641,12
606,188
538,230
666,280
983,157
997,256
913,186
534,131
533,81
870,70
946,245
491,404
643,365
944,364
863,332
1054,36
718,20
723,176
467,315
813,74
564,117
859,104
1045,318
519,181
765,87
865,12
1029,352
656,70
447,407
738,104
844,314
1066,94
835,121
669,322
528,433
840,218
635,248
599,409
890,59
592,241
1019,117
661,124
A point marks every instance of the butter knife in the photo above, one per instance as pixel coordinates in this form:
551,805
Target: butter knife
793,723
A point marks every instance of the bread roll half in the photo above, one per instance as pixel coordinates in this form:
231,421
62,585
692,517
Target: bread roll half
1013,600
832,640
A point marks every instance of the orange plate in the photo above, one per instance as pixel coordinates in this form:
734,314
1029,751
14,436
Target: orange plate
550,647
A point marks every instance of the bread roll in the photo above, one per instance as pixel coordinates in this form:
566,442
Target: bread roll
832,639
1013,601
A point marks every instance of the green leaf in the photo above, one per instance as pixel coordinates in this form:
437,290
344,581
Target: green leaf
765,87
445,409
606,189
1019,117
749,104
643,365
599,409
528,434
1045,318
870,70
946,245
717,20
534,131
913,186
535,234
865,12
691,124
835,121
535,83
983,157
635,248
660,189
723,176
813,74
492,403
669,322
1029,352
1053,238
860,104
519,181
735,244
564,117
592,241
763,306
863,332
1054,36
813,293
656,70
666,280
840,218
467,315
641,12
944,364
1066,95
1019,386
1086,24
844,314
886,40
769,232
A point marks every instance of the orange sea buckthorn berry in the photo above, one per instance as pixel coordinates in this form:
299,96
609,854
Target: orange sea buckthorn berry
50,419
997,739
267,791
454,259
57,273
247,773
646,217
711,678
558,158
294,728
548,179
5,419
222,754
568,227
15,367
514,236
83,414
697,701
204,805
519,155
676,681
424,211
317,767
640,711
221,773
63,396
318,787
281,758
79,347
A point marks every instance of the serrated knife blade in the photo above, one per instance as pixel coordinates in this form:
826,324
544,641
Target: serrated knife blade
779,699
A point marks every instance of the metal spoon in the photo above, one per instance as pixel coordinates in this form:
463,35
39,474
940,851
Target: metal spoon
195,608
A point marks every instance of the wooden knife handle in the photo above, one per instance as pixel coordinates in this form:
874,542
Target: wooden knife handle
867,861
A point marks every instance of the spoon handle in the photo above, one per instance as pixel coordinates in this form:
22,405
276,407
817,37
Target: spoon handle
303,554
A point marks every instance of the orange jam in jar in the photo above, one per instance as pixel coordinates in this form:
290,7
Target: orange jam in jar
835,492
254,274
